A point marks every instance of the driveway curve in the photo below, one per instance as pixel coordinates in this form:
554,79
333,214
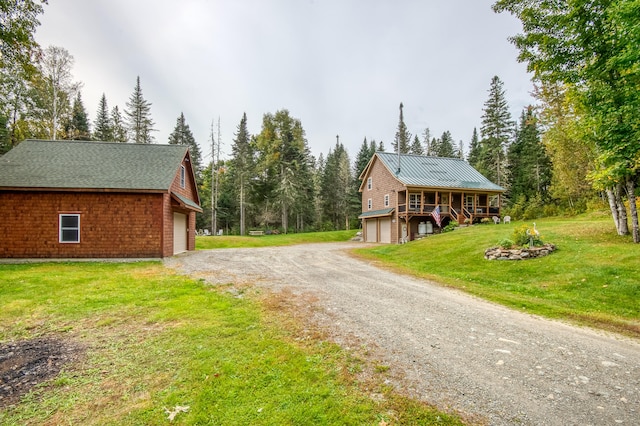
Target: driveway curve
452,350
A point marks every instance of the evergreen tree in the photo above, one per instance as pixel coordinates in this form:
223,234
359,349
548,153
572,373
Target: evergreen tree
337,188
426,137
138,113
475,148
496,130
416,147
102,125
381,146
182,135
529,166
443,147
284,167
241,169
77,126
367,150
403,137
118,127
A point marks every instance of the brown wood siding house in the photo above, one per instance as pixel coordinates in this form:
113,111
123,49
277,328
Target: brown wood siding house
400,194
78,199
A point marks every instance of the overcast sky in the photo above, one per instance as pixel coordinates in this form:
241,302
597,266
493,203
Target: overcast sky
340,66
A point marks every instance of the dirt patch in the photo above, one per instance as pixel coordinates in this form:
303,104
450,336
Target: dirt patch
26,363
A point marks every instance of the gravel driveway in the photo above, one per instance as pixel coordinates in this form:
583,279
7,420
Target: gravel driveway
451,349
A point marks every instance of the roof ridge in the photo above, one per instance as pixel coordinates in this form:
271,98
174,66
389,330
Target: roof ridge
102,142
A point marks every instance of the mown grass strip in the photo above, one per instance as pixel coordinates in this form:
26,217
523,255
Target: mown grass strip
591,279
232,241
155,341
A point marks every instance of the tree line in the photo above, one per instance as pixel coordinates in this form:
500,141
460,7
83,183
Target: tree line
576,146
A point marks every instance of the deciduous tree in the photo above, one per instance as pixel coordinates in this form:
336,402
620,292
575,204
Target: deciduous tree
593,46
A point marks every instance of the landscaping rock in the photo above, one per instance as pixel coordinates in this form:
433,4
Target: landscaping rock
497,253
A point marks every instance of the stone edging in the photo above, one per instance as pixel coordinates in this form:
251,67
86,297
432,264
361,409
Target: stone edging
497,253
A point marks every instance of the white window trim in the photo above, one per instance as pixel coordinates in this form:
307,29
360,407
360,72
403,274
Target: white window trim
183,176
386,200
369,183
369,204
60,228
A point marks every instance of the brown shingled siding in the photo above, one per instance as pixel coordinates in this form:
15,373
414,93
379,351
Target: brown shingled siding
383,183
111,224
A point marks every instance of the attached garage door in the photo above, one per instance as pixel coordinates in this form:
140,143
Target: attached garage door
385,230
372,228
179,233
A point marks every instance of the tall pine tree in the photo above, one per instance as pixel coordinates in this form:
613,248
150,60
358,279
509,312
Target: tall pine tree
529,166
182,135
102,125
416,147
496,131
138,113
77,126
241,169
118,126
474,157
403,137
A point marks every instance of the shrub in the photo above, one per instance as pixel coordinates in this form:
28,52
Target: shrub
485,220
505,243
450,226
522,235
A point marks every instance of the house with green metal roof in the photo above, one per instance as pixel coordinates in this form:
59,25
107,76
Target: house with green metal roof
405,197
84,199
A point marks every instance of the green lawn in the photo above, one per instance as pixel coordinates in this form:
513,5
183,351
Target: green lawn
593,278
157,340
228,241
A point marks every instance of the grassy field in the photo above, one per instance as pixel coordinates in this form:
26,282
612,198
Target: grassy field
228,241
154,340
593,278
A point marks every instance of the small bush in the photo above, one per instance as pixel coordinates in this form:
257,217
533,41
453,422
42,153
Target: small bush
485,220
522,236
450,226
505,243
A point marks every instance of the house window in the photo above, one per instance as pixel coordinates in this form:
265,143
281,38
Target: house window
69,228
386,200
369,183
414,201
183,172
369,204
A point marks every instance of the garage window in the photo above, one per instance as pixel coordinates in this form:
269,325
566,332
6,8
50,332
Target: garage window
69,228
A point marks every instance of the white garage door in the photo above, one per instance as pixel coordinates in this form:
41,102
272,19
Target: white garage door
179,233
385,230
372,228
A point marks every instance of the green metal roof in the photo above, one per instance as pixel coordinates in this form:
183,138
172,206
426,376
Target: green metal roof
439,172
187,202
376,213
90,165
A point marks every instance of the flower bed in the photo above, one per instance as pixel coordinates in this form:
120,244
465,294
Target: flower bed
497,253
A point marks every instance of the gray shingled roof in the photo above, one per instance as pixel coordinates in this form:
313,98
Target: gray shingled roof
90,165
439,172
